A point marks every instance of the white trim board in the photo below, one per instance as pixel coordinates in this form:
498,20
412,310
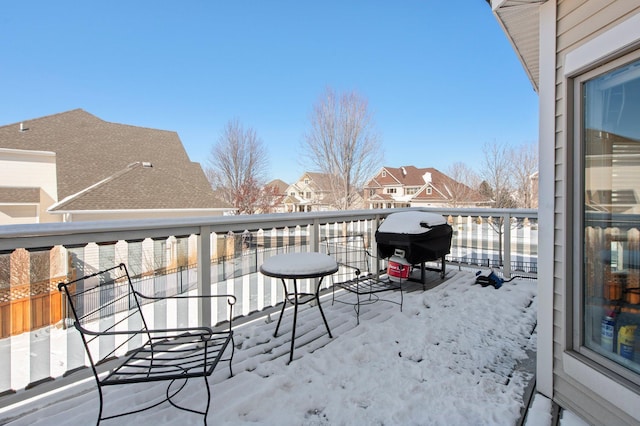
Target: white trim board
607,44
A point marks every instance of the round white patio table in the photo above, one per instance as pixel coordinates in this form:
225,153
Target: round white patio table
295,266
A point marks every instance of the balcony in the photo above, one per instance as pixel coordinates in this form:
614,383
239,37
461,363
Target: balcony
222,255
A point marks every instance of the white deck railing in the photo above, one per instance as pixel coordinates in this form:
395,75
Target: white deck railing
207,255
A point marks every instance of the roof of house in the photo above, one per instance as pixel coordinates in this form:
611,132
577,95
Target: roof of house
320,181
100,164
442,185
15,195
280,185
520,20
401,176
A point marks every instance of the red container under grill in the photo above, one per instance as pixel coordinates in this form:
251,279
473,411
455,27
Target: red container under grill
398,268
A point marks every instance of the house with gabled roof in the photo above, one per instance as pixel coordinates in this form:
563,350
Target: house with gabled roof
410,186
312,192
73,166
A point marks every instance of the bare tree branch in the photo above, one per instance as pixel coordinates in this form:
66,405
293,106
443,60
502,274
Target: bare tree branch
524,160
507,174
497,172
342,143
237,166
463,187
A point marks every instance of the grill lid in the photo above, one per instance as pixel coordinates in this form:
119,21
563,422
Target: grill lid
412,222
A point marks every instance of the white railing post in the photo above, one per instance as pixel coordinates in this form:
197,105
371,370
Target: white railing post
506,246
315,235
204,275
374,247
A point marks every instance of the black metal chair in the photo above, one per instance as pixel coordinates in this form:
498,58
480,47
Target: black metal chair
357,274
108,312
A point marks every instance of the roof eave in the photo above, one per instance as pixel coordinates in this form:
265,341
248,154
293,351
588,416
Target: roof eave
520,21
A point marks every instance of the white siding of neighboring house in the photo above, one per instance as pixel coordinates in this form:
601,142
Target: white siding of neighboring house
28,169
583,40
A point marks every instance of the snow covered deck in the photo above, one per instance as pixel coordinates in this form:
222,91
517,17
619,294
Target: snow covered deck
451,356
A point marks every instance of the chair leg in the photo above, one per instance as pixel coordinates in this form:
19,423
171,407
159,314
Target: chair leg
333,294
233,351
206,411
101,404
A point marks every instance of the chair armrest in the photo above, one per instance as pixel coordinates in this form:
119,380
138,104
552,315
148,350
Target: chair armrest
355,269
204,332
231,299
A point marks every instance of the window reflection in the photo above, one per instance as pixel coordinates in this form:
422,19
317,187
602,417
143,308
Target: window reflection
611,142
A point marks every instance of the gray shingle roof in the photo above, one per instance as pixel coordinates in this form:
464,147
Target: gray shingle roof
280,185
19,195
93,164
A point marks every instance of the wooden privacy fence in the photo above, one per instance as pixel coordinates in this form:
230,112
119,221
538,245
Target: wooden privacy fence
29,307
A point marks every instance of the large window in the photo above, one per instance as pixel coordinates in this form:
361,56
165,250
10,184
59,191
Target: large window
608,117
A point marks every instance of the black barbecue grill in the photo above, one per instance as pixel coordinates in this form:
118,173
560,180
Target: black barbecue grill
422,236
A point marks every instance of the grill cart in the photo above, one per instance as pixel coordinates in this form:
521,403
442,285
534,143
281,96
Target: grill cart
412,238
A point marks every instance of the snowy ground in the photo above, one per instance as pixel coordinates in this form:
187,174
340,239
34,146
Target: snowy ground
449,358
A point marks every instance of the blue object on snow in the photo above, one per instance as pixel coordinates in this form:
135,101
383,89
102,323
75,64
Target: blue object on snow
490,278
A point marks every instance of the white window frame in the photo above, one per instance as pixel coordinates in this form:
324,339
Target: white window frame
579,202
586,367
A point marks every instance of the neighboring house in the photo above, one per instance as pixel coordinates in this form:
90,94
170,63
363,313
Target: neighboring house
28,186
583,59
312,192
409,186
276,192
74,166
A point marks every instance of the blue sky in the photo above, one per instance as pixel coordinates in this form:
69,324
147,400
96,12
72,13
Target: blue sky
440,76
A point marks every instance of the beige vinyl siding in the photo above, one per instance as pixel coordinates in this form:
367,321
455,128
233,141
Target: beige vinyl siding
577,22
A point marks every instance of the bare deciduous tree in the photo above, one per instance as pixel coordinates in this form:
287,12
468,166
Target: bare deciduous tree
269,199
237,166
343,144
507,173
463,189
524,161
497,174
